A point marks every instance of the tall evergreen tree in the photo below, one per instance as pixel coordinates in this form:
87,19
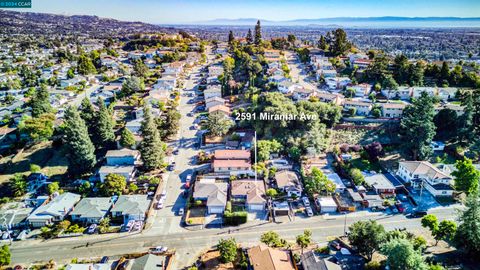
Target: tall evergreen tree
249,36
87,112
322,43
151,147
467,237
81,150
340,44
40,102
258,33
418,128
444,74
231,38
127,139
465,126
104,126
401,69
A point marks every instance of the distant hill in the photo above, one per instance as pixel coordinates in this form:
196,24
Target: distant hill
358,22
12,22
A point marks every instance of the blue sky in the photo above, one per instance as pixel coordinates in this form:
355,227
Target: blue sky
185,11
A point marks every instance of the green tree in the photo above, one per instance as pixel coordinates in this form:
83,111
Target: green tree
322,43
305,239
317,182
139,68
401,69
258,33
446,231
366,237
468,232
39,128
169,123
5,255
231,38
444,120
249,37
18,184
430,221
126,138
132,85
132,187
87,112
340,44
151,147
53,187
85,65
357,176
104,126
84,188
272,239
218,125
114,184
417,127
267,147
271,192
81,150
40,102
466,127
228,250
402,256
466,176
444,74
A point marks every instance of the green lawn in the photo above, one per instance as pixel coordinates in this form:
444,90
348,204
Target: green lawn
366,166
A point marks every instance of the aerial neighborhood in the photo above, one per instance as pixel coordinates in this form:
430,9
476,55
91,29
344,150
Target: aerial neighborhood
138,146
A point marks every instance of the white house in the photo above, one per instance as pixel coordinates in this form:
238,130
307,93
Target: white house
127,171
339,185
326,205
361,107
131,207
392,110
423,173
55,210
289,182
361,90
215,101
403,92
91,210
214,195
166,82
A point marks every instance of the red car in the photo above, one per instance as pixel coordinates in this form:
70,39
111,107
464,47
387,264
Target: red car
400,207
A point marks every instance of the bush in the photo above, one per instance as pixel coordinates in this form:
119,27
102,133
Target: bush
373,265
323,250
235,218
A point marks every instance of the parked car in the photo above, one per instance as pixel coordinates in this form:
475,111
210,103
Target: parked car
160,205
309,211
418,214
180,212
159,249
394,209
175,152
104,259
306,202
335,245
402,197
163,194
92,228
189,178
400,207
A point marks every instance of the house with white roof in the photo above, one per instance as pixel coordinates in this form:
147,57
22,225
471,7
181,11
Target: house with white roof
127,171
55,210
339,185
212,91
422,173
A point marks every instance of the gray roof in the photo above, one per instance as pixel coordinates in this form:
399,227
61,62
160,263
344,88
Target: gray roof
117,169
379,181
13,217
57,207
125,152
216,193
311,261
150,262
131,204
92,207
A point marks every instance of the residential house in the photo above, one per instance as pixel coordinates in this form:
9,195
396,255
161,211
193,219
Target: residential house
158,95
336,99
286,87
361,64
88,266
277,79
403,93
326,204
166,82
392,110
361,107
361,90
219,109
233,167
212,91
337,83
213,194
263,257
339,185
211,102
312,261
289,183
423,173
123,156
447,93
127,171
91,210
134,125
14,218
380,183
417,91
55,210
326,73
150,262
215,70
249,191
459,109
302,93
131,207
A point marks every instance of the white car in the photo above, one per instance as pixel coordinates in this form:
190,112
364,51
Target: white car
160,205
306,202
189,178
309,211
92,228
